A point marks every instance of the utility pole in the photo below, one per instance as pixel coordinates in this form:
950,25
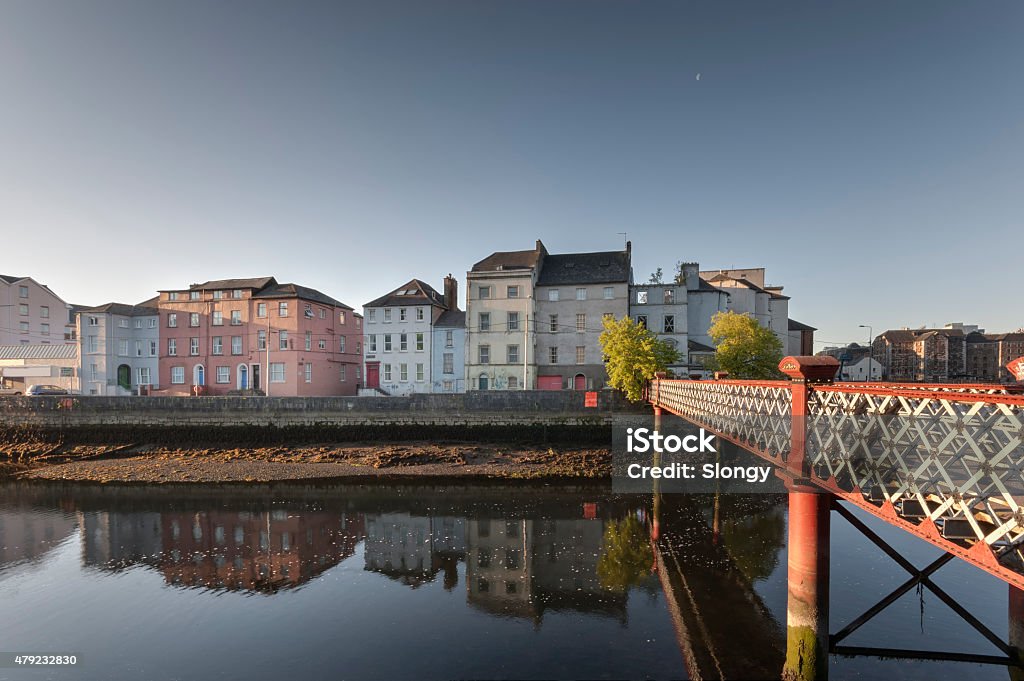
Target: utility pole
871,348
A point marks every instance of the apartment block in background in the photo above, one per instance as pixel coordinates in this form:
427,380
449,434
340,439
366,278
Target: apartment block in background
256,334
31,313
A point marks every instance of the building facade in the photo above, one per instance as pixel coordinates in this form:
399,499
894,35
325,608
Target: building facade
448,359
31,313
662,309
256,334
119,347
399,345
28,364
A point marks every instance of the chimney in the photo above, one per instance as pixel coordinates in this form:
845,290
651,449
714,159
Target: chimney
451,292
629,248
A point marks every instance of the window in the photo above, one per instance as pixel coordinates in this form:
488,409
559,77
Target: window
581,294
144,377
581,354
387,342
581,322
172,347
419,342
172,320
236,294
282,309
403,372
193,348
371,315
641,320
122,348
152,348
403,342
344,373
308,369
371,343
94,370
387,372
193,319
236,318
513,383
282,340
223,374
23,309
236,345
277,372
448,363
218,345
419,372
670,296
641,297
45,329
484,292
401,314
448,386
513,321
512,354
309,340
173,295
513,291
94,321
217,295
553,355
261,310
308,311
44,311
419,314
138,348
23,326
123,323
484,354
138,323
449,339
178,375
261,340
152,322
553,295
322,345
193,295
670,323
485,321
92,344
341,317
23,291
387,315
553,323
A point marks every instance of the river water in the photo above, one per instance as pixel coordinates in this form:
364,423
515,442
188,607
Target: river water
432,581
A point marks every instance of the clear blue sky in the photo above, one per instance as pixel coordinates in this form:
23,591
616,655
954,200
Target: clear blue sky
869,154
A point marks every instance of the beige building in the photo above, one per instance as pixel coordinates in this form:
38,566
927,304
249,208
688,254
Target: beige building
31,313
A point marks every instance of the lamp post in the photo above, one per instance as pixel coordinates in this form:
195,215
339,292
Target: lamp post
871,347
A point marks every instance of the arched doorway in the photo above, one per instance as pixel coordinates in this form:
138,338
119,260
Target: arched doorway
199,375
579,382
243,377
483,382
124,377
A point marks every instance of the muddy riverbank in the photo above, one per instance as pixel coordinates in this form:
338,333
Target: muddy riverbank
268,464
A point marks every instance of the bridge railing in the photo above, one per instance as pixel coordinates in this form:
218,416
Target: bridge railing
944,461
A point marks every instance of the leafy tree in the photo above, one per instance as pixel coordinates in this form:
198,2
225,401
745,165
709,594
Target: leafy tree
626,557
744,348
633,355
656,277
680,278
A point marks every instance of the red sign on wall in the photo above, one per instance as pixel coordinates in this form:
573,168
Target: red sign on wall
591,399
1016,368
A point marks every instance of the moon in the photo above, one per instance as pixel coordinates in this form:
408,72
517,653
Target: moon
698,76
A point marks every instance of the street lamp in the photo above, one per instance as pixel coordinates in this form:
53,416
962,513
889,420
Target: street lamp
871,347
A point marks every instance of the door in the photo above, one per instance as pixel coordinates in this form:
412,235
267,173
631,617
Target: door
256,376
373,374
580,382
549,383
124,377
243,377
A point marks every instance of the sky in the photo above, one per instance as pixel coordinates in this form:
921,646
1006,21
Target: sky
870,155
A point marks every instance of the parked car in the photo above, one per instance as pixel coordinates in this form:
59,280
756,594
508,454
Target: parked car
46,390
10,391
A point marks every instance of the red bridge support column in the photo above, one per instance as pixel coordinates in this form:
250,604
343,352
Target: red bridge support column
1015,631
807,607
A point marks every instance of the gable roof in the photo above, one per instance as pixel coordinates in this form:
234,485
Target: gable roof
508,260
122,310
11,279
413,292
695,346
603,267
302,292
221,284
451,319
794,325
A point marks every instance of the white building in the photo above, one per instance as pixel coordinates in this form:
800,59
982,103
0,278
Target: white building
119,348
398,349
448,359
28,364
31,313
858,371
748,294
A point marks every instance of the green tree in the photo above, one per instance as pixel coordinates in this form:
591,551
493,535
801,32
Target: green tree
626,557
656,277
744,348
633,355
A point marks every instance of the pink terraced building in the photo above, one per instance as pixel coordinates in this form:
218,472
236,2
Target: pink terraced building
232,334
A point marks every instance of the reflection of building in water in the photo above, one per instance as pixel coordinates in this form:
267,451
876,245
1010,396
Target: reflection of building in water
413,549
255,551
117,540
524,567
28,535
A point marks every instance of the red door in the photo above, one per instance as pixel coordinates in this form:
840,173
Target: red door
373,374
549,383
580,382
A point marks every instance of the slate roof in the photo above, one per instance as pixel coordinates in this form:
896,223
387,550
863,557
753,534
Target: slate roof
907,335
122,310
11,279
221,284
508,260
424,295
694,346
794,325
297,291
604,267
451,319
705,286
39,351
